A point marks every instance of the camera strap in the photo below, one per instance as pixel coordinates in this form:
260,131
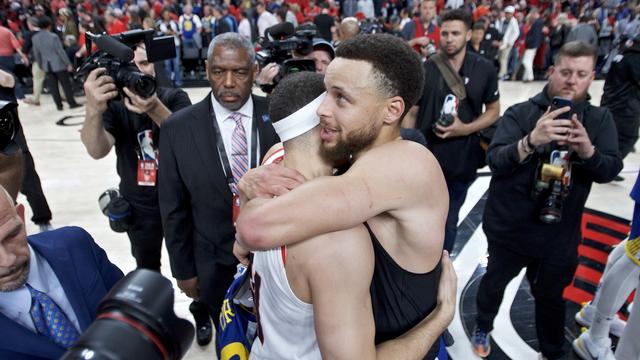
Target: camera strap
223,154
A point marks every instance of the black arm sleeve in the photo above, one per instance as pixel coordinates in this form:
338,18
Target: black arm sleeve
502,155
605,163
179,100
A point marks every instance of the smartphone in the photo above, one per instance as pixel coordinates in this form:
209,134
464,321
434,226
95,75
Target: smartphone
559,102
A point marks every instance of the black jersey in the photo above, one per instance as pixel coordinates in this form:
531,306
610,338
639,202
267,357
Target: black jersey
400,299
621,92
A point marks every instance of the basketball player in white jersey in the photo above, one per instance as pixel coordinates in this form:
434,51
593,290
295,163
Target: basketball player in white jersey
395,186
289,290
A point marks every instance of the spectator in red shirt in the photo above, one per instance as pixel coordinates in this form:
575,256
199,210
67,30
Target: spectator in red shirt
9,46
311,12
57,5
424,29
481,10
113,24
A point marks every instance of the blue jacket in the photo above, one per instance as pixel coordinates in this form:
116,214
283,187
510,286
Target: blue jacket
86,276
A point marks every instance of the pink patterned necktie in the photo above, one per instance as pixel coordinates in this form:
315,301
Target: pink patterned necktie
239,155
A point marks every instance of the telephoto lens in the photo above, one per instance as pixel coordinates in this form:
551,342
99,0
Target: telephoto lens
140,83
135,321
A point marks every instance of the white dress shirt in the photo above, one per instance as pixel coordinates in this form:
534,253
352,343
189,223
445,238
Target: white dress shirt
226,126
16,304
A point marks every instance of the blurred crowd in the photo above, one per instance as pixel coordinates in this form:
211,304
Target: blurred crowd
519,37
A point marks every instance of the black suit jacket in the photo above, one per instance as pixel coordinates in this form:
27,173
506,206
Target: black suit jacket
195,199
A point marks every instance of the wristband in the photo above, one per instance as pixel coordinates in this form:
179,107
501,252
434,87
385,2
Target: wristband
529,144
525,146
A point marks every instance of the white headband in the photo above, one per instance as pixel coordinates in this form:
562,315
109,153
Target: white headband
301,121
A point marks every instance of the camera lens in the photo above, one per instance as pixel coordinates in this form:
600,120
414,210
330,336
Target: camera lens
145,86
119,213
551,212
141,84
136,321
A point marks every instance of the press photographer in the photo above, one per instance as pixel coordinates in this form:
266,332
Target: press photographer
544,158
285,50
125,109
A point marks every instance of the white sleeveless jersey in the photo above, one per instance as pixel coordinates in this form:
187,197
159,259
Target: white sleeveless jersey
285,327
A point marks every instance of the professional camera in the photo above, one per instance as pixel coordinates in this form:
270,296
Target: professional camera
115,53
117,209
8,127
552,186
135,320
372,26
448,112
282,43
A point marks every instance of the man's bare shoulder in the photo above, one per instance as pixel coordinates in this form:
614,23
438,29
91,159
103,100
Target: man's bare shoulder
344,250
397,155
404,164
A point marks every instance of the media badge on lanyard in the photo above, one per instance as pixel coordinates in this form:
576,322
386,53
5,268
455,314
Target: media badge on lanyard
147,159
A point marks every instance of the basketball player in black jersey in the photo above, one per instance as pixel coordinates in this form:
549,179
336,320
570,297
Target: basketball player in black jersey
395,186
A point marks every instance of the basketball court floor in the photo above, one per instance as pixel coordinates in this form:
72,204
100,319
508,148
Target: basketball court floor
72,182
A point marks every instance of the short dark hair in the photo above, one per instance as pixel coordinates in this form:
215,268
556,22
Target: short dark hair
574,49
293,93
44,22
478,25
457,14
397,68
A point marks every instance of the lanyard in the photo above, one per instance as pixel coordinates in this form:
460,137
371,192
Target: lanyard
223,152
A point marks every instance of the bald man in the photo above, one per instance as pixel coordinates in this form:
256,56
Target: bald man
42,271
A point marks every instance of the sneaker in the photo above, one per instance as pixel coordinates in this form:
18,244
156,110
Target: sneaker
75,105
584,317
586,349
30,101
618,178
481,343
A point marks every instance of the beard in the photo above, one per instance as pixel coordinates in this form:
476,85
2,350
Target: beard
18,282
355,142
456,51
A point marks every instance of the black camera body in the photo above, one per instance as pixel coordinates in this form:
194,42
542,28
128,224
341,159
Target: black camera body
135,320
8,127
448,112
115,54
117,209
281,42
125,74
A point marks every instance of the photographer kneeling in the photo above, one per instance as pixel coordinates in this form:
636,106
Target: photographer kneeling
131,123
544,157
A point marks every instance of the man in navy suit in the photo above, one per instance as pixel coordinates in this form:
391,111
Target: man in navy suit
65,266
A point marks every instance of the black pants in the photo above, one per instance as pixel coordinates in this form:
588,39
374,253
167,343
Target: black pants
31,186
146,236
457,194
627,127
214,285
547,276
63,78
